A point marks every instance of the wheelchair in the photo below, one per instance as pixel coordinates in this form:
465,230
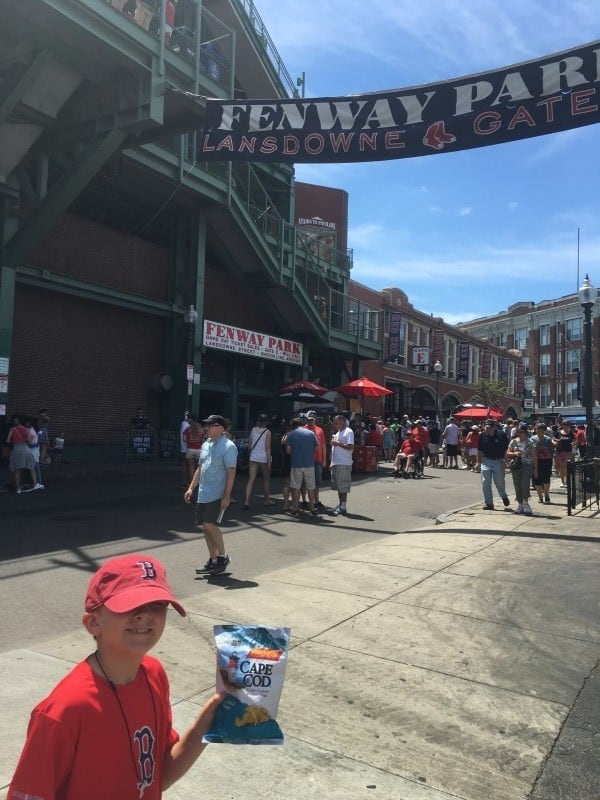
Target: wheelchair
416,469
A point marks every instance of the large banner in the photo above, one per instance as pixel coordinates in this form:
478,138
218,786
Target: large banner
251,343
549,94
463,361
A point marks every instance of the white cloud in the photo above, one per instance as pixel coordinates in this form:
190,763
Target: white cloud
464,212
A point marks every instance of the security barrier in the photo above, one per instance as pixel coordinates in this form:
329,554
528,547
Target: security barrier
583,484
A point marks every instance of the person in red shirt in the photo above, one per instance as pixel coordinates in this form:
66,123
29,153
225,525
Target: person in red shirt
406,454
580,440
421,435
169,20
193,437
320,458
375,438
105,731
472,447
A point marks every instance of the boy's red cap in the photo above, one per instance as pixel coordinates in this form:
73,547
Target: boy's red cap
127,582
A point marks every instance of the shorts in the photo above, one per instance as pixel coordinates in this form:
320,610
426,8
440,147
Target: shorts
319,473
208,512
341,478
472,451
451,449
300,475
190,454
434,449
544,472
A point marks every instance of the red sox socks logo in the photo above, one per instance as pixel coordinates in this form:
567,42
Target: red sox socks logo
436,136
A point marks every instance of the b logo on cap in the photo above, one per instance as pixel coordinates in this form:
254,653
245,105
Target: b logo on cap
149,571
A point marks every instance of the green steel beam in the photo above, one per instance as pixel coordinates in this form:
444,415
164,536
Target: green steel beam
49,281
22,80
60,196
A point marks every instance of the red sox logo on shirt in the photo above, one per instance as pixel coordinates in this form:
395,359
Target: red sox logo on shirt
145,742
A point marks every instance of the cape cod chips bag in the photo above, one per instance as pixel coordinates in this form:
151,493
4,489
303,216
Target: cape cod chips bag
250,669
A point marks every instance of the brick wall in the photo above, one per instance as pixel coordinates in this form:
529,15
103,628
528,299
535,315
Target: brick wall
82,249
88,363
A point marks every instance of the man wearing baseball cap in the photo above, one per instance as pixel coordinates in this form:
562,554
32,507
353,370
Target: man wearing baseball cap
105,731
214,477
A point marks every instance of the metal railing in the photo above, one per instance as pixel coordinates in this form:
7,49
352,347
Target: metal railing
583,484
251,14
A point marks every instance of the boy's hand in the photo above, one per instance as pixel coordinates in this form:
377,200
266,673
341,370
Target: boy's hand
188,495
207,713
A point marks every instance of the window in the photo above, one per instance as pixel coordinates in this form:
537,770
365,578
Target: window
545,394
574,329
571,398
544,365
449,359
573,360
401,357
521,338
544,335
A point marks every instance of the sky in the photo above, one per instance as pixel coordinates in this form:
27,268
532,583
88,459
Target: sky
463,234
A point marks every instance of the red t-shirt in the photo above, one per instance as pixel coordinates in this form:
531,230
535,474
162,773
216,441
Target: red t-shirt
194,441
77,747
421,435
320,434
409,446
374,438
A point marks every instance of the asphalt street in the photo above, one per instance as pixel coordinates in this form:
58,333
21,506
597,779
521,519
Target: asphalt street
53,540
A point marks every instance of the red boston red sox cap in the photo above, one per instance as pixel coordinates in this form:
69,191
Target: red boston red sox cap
127,582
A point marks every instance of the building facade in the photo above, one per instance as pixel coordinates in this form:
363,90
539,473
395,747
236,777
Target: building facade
413,343
550,337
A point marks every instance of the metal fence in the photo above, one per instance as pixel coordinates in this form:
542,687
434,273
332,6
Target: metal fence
583,485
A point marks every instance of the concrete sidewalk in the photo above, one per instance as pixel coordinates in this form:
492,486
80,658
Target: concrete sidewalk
454,661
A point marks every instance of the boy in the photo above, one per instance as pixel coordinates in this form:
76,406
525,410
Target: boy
105,731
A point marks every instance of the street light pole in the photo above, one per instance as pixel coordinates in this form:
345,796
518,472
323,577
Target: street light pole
438,369
190,317
587,298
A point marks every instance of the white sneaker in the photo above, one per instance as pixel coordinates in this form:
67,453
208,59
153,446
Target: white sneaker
38,486
519,509
527,509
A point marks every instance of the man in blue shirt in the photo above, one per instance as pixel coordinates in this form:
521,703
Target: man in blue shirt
214,477
302,446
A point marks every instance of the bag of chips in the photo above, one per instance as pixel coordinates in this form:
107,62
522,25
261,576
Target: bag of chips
251,664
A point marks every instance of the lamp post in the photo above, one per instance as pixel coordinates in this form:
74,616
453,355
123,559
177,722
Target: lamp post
190,317
438,369
587,298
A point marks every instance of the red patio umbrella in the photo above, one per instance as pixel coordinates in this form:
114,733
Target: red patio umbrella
363,387
478,413
303,390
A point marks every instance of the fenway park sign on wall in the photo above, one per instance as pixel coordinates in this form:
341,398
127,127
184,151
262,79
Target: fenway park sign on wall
536,97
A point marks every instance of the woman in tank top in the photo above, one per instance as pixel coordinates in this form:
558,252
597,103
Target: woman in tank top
259,444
